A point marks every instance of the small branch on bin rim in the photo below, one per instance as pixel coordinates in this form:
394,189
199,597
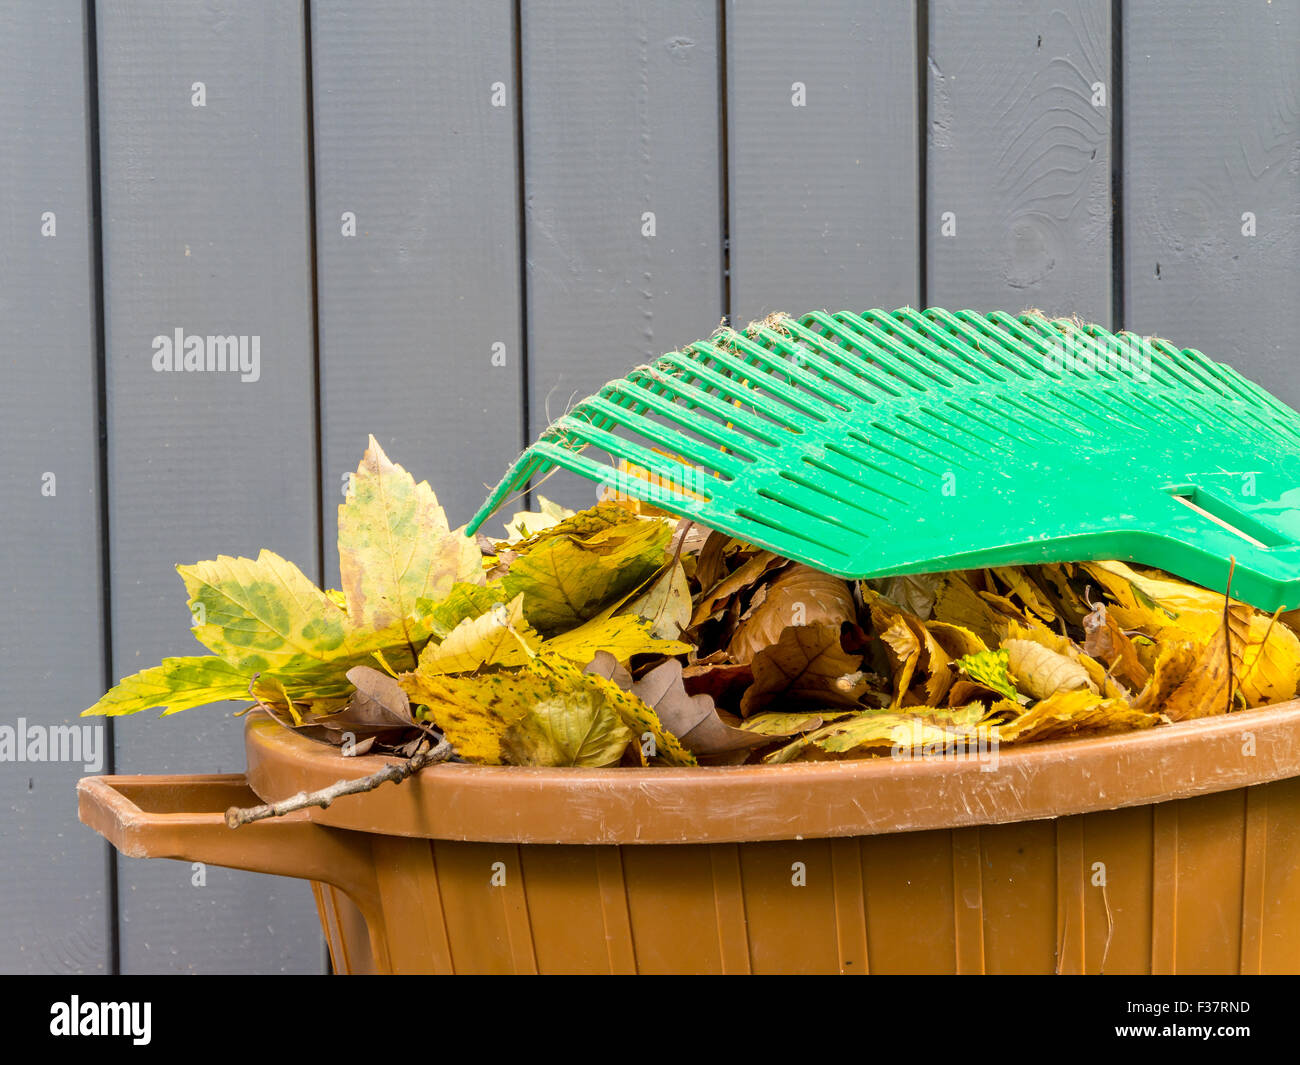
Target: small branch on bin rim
1227,629
396,772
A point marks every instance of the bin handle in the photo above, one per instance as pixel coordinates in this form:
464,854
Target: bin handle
183,817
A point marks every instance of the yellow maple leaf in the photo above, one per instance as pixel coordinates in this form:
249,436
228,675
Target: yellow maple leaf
395,547
498,637
547,712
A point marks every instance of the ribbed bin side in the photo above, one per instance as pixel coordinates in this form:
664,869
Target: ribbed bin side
1203,885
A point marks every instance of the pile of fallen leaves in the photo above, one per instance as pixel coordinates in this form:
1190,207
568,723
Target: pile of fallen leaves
621,635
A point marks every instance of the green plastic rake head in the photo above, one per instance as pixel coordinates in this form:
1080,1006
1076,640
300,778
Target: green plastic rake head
887,443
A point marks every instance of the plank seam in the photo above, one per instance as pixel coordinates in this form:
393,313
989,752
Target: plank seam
101,398
521,208
724,161
1254,877
309,128
922,149
1117,309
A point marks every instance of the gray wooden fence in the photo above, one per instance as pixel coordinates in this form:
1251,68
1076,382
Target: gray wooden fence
443,220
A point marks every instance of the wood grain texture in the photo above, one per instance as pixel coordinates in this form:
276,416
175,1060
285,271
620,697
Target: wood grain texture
823,197
1019,157
206,230
620,121
54,873
409,138
1211,133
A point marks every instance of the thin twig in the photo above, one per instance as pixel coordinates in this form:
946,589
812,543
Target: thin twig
1227,628
398,772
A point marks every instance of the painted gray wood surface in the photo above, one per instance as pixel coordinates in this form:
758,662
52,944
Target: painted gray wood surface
1019,211
206,229
621,134
53,875
416,123
823,131
1212,149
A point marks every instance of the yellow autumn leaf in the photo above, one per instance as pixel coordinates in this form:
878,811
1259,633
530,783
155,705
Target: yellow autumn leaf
1075,711
528,523
567,579
913,651
176,684
664,601
547,713
1040,672
878,732
1099,679
622,636
1207,688
498,637
955,641
1266,654
904,651
1268,669
958,603
1174,660
1017,578
1071,603
264,616
581,526
778,724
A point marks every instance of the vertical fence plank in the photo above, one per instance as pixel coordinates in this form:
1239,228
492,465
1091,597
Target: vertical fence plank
54,876
1211,185
622,192
206,230
822,121
1019,207
417,244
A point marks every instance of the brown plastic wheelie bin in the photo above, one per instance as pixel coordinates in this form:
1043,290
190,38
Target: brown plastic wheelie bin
1175,849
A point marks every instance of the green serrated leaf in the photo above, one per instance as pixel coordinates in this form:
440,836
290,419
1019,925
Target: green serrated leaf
991,669
264,614
177,684
566,580
464,600
546,713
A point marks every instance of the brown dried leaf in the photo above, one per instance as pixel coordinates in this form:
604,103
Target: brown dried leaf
693,719
800,595
808,666
716,598
721,681
914,592
1105,641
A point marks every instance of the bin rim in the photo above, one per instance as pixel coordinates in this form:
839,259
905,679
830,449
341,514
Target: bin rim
659,805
